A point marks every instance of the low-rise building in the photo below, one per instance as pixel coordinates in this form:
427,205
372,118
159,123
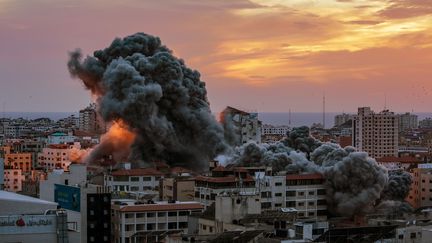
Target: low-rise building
13,179
134,180
130,218
57,156
177,189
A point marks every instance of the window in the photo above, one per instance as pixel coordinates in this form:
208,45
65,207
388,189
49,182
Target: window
278,184
129,215
204,227
146,178
134,188
290,193
413,235
301,204
311,192
150,215
278,194
161,214
311,203
290,204
321,191
172,225
311,214
183,213
134,178
172,214
301,193
140,215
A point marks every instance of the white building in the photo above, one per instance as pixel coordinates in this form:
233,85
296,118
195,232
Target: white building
243,125
13,179
72,192
376,133
130,221
27,220
407,121
133,180
274,130
57,156
60,138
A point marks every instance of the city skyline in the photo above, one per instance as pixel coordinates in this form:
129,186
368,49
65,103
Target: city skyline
359,53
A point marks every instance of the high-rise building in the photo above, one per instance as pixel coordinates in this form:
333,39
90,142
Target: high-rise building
426,123
241,125
407,121
376,133
89,120
342,118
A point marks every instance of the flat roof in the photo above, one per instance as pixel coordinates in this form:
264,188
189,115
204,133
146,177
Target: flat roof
160,207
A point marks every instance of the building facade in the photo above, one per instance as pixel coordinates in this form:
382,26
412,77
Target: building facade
407,121
243,126
131,220
376,133
342,118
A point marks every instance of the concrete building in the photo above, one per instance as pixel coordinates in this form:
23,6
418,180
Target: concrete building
134,180
13,179
57,156
307,194
342,118
177,189
426,123
131,219
420,194
274,130
407,121
376,133
60,138
27,220
399,163
222,179
88,206
244,126
22,161
89,120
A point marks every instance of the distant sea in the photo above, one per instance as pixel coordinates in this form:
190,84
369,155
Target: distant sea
273,118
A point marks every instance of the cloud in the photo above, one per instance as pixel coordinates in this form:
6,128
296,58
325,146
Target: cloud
400,9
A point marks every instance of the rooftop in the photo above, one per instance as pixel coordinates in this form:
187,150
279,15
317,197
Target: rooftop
162,206
137,172
10,196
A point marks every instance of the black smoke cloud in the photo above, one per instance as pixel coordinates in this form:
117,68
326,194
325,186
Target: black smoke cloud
139,81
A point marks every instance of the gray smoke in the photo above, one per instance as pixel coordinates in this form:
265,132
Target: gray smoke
162,101
299,139
398,186
253,154
355,182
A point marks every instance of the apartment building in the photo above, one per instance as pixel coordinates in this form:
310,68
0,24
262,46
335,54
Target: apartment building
222,180
243,125
13,179
131,220
420,194
376,133
134,180
307,194
56,156
407,121
177,189
22,161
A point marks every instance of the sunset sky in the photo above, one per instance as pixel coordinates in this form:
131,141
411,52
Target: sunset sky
263,55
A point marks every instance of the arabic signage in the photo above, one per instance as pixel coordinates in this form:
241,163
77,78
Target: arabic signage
26,224
68,197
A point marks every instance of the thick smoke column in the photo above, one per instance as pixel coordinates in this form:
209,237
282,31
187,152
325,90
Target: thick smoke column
354,184
164,103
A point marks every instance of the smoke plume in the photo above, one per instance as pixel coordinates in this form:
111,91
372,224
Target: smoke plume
355,182
159,99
